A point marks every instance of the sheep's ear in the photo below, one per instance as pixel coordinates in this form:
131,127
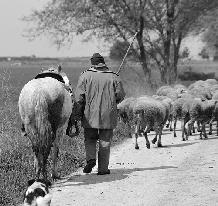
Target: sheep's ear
30,182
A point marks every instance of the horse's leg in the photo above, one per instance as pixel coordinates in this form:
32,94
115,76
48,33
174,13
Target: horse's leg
46,153
38,158
55,157
76,127
23,131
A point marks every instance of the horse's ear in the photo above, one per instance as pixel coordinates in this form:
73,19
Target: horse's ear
59,68
30,182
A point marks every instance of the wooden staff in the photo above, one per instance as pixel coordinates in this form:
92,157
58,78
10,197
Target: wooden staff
118,71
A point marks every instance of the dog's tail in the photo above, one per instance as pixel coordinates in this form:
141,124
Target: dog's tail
44,201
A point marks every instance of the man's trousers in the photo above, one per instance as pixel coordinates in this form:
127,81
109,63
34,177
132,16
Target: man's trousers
91,136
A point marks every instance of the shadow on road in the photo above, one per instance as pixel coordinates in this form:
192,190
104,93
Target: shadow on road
164,133
116,174
178,145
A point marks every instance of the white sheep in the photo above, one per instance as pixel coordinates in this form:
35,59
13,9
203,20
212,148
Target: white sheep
149,113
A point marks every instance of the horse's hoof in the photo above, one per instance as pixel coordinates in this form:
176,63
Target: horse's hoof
183,139
171,129
148,146
23,134
175,135
136,147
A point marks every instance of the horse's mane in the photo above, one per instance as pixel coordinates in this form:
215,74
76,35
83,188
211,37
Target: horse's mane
49,73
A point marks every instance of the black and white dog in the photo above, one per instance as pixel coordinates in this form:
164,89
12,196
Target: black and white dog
37,193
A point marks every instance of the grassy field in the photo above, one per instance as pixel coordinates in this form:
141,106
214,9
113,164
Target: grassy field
16,157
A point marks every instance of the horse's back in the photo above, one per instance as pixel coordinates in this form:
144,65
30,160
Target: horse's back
50,93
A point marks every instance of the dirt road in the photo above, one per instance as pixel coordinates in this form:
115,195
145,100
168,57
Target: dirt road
180,173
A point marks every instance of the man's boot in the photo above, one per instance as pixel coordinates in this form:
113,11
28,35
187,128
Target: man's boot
90,164
103,157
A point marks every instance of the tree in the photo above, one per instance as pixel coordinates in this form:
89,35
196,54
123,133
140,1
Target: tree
185,53
119,49
208,28
161,26
204,53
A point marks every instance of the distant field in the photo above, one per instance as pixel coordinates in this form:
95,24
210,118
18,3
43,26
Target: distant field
16,158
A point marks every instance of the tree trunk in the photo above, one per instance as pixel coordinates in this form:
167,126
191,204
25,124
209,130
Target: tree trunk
142,54
163,75
176,56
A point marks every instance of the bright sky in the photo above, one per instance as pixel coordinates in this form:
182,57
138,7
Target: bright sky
12,43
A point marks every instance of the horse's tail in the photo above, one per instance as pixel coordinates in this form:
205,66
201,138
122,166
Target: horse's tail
43,126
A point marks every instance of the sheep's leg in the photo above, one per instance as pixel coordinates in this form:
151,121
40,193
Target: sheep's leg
193,128
201,135
171,122
174,128
210,129
201,130
183,129
198,126
159,144
217,128
190,123
155,139
146,137
129,130
136,135
204,131
190,130
168,123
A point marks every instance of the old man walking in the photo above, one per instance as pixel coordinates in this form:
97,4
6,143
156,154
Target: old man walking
98,92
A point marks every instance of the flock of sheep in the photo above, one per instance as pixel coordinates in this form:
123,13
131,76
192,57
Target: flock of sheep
196,105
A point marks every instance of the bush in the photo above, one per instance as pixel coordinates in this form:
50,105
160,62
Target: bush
194,76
